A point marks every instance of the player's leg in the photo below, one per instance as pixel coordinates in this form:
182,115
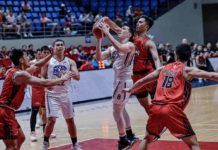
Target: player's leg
142,95
130,135
34,112
10,144
43,116
155,125
179,126
12,133
147,140
52,107
119,102
192,142
68,113
143,101
20,138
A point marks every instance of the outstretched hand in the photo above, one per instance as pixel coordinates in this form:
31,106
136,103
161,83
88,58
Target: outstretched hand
104,27
68,75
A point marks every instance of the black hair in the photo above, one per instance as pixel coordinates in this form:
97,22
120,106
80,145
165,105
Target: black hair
38,50
15,56
57,40
45,47
131,31
183,51
148,20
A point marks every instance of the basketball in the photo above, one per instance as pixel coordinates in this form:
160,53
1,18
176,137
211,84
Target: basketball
97,32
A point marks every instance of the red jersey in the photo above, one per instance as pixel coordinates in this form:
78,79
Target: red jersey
172,87
12,95
38,92
143,61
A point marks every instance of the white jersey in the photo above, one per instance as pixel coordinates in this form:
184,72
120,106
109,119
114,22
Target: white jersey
123,63
55,70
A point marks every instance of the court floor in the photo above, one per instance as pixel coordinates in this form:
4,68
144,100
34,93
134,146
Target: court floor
95,120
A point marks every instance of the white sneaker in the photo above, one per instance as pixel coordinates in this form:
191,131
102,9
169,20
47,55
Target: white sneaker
24,34
76,147
30,34
37,125
45,145
33,136
53,135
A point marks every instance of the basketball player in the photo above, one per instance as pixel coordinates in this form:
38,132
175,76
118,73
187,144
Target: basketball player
38,96
45,51
146,59
122,52
13,92
58,97
172,96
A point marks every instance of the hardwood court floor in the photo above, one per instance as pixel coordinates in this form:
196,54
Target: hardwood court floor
95,120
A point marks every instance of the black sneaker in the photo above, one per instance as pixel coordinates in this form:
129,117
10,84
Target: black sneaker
133,138
124,144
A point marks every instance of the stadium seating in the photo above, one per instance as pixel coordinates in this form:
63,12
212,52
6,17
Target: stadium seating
51,7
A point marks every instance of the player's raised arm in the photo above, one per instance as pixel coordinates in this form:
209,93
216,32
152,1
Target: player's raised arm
197,73
154,53
124,47
34,67
143,81
111,24
99,54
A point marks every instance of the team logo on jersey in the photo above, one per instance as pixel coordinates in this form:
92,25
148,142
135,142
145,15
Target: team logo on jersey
115,55
170,73
59,70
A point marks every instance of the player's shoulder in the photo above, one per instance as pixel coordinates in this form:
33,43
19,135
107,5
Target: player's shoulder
150,42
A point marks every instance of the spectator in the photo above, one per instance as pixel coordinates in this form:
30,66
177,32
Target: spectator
25,24
89,18
68,25
11,23
46,23
209,47
26,7
9,9
30,51
119,20
98,17
94,62
129,15
171,57
24,47
82,17
3,48
201,61
63,11
70,16
2,18
162,53
86,66
138,12
2,71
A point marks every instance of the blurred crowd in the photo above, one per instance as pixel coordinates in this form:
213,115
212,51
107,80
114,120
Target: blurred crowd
26,22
